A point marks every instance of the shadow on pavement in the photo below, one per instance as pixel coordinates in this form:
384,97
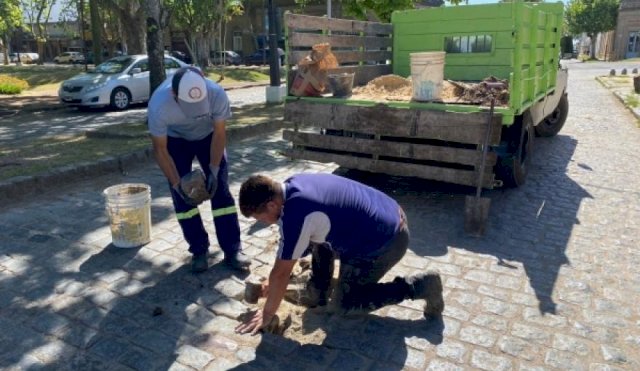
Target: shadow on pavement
364,342
529,228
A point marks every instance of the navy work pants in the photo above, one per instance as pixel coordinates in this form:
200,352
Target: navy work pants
223,208
358,288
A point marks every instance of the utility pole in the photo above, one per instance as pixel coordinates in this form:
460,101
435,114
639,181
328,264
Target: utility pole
274,58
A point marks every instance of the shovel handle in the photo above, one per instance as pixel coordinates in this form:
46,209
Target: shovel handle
485,146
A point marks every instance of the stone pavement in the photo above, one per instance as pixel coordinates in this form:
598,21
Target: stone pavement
554,285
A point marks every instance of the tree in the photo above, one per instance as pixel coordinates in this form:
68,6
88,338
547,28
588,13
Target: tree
359,9
591,17
200,21
132,20
155,45
96,31
10,19
38,13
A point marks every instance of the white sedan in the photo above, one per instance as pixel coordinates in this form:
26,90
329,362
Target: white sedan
118,83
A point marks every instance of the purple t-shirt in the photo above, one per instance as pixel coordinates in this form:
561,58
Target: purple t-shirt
353,218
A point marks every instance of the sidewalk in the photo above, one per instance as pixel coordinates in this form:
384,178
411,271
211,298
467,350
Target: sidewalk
19,188
49,100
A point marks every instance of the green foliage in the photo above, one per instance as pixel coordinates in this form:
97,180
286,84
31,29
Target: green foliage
591,16
10,16
632,100
12,85
360,8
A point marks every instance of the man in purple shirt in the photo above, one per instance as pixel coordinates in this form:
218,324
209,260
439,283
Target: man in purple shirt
331,217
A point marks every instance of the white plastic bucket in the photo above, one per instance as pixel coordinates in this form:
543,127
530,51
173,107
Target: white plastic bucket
427,73
129,210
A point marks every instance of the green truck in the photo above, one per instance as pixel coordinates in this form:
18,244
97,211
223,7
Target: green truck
515,41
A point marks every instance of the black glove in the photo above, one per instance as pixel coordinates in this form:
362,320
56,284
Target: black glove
188,200
212,179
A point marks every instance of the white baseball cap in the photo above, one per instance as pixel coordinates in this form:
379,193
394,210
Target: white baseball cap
190,88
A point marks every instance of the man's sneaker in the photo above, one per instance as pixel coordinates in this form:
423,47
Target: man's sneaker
428,286
237,260
199,263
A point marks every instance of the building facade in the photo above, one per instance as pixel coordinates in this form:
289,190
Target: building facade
624,42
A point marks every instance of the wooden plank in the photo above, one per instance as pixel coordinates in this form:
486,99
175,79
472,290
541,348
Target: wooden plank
305,22
339,41
390,148
455,176
363,74
380,119
345,56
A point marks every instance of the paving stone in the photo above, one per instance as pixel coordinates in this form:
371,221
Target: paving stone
193,357
478,336
452,350
438,365
613,354
570,344
518,347
487,361
563,360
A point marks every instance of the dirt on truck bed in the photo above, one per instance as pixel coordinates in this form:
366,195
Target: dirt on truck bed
390,88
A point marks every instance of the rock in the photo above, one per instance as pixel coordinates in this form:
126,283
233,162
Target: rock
624,71
612,72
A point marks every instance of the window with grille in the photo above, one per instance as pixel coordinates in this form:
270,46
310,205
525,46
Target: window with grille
468,44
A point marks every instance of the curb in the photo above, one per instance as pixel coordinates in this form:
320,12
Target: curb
620,97
40,107
19,188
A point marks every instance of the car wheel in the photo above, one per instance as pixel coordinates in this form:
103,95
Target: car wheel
552,124
513,167
120,98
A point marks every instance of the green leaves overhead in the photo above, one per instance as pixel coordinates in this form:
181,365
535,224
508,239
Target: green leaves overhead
591,16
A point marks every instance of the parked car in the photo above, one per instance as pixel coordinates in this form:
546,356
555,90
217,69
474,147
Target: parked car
226,57
118,82
181,56
262,56
69,57
25,57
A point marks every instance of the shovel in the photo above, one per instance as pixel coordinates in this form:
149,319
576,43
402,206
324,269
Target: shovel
476,208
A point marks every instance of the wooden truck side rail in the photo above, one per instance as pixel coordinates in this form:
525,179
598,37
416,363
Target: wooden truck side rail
420,142
426,144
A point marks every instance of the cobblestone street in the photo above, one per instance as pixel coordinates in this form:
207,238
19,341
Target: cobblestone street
554,285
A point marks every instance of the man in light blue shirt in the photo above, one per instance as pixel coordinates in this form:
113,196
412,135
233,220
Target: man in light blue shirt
187,114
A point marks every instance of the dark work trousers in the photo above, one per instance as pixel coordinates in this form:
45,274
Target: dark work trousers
223,207
358,287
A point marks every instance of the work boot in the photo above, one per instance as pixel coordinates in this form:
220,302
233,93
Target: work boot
237,260
199,263
428,286
306,295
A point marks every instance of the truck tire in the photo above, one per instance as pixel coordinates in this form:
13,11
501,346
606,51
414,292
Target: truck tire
513,167
552,124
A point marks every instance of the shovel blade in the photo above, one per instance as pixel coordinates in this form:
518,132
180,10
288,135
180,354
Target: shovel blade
476,214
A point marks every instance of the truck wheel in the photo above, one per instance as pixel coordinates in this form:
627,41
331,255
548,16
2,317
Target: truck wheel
552,124
120,98
513,167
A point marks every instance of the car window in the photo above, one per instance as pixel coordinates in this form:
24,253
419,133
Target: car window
170,63
114,65
143,65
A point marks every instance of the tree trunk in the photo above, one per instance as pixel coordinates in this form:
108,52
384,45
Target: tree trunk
96,31
155,45
5,55
135,29
636,84
593,46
